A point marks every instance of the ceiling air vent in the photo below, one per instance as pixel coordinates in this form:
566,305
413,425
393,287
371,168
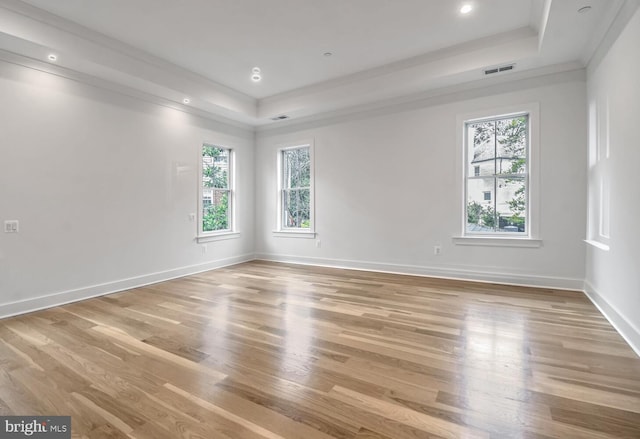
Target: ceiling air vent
493,70
281,117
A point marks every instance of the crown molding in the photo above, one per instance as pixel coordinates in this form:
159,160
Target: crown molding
431,71
474,89
33,13
544,20
445,75
549,75
439,96
611,34
83,49
416,61
227,125
605,26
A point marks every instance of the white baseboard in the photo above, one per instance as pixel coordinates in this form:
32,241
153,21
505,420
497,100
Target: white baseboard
64,297
625,328
470,274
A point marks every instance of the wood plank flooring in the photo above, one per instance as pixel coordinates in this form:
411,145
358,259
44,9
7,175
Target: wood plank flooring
266,350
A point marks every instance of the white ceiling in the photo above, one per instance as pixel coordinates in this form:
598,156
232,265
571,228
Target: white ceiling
223,39
382,49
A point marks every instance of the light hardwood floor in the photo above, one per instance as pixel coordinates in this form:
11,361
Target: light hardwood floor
266,350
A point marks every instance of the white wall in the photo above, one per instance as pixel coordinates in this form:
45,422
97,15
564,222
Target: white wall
388,188
613,276
103,186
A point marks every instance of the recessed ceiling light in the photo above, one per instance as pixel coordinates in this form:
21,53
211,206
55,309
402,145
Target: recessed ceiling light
256,77
186,100
584,9
465,9
52,57
328,53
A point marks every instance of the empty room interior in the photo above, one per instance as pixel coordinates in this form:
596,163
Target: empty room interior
358,219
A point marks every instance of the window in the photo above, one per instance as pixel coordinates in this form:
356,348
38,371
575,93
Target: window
497,175
599,190
216,191
296,188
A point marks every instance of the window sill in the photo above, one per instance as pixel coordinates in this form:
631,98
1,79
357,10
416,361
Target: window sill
217,237
597,244
293,234
494,241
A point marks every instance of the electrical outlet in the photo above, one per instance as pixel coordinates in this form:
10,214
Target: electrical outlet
318,243
437,250
192,217
11,226
204,248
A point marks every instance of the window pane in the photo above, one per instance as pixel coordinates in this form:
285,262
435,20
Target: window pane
481,148
215,211
296,208
287,166
497,175
481,215
215,167
512,145
511,204
296,168
304,167
296,188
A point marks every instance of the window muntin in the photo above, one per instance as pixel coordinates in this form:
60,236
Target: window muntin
216,190
295,188
497,163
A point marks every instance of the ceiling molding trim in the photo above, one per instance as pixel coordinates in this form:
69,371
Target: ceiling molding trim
437,55
414,80
544,20
82,32
601,31
619,22
559,73
229,125
33,24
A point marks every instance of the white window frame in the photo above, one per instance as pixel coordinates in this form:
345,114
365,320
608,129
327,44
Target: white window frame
281,229
599,195
230,232
529,238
